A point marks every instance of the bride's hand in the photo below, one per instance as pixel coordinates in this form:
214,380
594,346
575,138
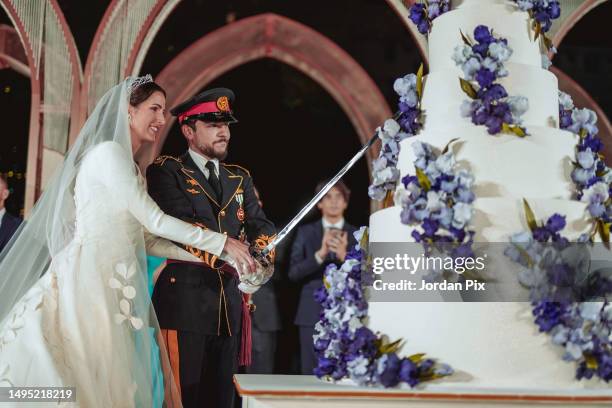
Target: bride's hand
238,252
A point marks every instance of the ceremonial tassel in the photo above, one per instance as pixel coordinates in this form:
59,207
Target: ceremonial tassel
246,344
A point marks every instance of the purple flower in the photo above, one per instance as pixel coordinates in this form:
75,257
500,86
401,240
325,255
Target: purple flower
388,370
482,34
325,367
548,315
485,77
541,234
493,93
408,372
555,223
417,13
494,125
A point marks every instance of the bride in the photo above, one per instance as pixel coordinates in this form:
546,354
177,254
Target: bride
74,305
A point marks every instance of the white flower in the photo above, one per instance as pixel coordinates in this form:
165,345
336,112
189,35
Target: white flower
597,193
590,310
420,149
500,51
462,214
125,314
565,100
435,201
13,324
128,291
4,373
391,127
465,178
403,85
518,105
470,68
467,108
490,64
462,53
445,162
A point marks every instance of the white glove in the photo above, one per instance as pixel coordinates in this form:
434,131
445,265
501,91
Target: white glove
247,288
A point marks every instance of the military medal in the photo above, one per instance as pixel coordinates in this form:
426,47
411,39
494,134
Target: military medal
240,214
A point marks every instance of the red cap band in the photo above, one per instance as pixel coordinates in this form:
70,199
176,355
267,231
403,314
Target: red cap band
204,107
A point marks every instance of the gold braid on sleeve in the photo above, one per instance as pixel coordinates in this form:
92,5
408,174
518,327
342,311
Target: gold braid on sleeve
209,259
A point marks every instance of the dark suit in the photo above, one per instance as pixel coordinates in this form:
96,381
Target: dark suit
7,229
199,308
266,322
305,270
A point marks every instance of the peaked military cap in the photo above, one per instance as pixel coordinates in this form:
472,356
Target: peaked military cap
213,105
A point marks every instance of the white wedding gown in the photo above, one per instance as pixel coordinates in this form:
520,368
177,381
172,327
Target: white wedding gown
86,322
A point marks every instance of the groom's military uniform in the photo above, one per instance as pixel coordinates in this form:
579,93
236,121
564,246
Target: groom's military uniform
199,307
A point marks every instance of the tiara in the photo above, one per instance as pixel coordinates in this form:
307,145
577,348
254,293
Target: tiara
138,81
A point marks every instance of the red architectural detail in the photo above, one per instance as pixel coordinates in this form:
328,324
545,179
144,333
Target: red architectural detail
12,54
142,34
273,36
582,99
35,142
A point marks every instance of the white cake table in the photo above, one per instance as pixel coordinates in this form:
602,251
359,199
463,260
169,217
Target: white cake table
303,391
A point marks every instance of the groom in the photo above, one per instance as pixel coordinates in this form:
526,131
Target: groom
200,308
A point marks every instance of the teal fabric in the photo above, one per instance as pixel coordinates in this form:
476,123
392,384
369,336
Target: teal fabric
158,379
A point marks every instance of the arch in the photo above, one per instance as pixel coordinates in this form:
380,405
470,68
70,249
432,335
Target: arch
273,36
575,16
31,37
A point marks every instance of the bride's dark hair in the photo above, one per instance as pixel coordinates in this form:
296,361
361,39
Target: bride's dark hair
143,92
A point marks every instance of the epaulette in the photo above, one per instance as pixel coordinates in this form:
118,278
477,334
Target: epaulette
240,167
162,159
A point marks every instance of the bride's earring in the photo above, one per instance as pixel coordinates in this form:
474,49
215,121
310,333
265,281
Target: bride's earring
129,119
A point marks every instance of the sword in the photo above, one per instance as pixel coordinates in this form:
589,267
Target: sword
291,225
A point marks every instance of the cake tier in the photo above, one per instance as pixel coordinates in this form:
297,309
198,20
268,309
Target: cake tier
493,343
505,165
442,97
495,219
503,16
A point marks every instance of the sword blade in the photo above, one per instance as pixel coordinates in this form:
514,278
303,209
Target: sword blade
285,231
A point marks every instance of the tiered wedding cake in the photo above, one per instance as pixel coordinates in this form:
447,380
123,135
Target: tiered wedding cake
496,344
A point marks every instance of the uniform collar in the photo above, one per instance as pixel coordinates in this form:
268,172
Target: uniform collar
201,161
2,212
327,224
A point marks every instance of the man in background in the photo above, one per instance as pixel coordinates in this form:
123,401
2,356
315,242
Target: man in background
8,223
316,245
266,323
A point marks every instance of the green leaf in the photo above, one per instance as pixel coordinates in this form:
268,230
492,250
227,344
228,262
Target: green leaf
388,200
423,180
591,362
365,239
390,347
538,30
466,40
583,133
467,87
416,358
445,150
517,130
531,220
419,83
547,42
604,230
